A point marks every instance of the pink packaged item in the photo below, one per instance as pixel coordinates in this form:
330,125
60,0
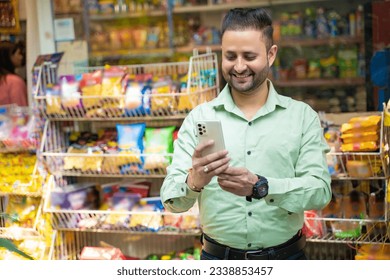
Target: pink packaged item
101,253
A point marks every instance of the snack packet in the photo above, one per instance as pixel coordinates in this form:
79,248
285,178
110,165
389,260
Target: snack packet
158,146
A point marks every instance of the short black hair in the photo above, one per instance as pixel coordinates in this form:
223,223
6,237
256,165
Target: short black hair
239,19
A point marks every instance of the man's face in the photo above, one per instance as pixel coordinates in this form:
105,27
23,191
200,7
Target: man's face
245,60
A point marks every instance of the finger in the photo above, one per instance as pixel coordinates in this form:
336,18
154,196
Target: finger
216,156
227,183
201,146
231,179
232,187
218,166
228,186
220,169
223,175
234,171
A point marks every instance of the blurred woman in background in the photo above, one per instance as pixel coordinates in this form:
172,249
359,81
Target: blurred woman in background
13,89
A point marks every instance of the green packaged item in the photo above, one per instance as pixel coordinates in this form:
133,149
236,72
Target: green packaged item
348,62
158,147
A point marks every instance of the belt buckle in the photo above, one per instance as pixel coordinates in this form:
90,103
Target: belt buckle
252,252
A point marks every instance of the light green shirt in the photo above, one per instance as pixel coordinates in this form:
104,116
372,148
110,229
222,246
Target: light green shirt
283,142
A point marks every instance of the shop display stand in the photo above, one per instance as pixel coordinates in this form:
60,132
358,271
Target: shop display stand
75,229
20,191
374,231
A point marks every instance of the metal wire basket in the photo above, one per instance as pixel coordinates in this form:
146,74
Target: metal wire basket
32,240
140,222
199,83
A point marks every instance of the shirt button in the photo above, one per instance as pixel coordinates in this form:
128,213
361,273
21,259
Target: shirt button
248,152
249,214
271,200
249,123
249,245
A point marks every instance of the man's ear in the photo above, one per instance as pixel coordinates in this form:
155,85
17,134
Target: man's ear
272,54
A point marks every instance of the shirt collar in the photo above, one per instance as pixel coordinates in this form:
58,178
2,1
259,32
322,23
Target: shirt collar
274,99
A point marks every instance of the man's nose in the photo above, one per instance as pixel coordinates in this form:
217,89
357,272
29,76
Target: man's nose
240,66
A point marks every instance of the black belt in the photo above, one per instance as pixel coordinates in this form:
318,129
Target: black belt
280,252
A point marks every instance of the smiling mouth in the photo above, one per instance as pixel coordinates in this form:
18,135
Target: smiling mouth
242,76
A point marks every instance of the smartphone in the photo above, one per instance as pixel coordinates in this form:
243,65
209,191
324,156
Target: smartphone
210,129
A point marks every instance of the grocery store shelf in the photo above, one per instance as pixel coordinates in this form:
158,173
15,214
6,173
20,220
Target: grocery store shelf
308,42
345,220
241,4
159,175
135,119
114,16
162,106
21,193
347,178
68,244
117,54
68,14
200,48
363,239
375,163
321,82
18,233
287,42
122,221
193,233
30,243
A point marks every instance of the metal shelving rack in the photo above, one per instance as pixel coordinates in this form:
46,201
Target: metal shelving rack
80,227
28,238
34,240
75,229
373,231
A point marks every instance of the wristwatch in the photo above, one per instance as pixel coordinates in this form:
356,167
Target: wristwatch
260,189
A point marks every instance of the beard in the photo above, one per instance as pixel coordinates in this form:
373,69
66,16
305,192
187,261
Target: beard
249,80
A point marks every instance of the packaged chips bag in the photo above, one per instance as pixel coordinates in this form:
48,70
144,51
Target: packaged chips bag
162,98
137,99
53,100
91,88
70,92
113,89
158,147
130,141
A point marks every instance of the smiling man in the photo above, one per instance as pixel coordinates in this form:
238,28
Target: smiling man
252,196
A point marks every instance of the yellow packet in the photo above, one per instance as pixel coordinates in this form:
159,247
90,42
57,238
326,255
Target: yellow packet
367,136
166,100
89,94
361,124
360,147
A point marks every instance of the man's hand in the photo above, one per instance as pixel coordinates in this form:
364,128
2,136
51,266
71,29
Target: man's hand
205,168
237,180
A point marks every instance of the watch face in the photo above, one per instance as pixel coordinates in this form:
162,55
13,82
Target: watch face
262,190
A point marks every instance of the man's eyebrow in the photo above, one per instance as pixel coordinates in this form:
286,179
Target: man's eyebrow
245,52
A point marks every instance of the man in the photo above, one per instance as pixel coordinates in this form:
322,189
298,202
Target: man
252,196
